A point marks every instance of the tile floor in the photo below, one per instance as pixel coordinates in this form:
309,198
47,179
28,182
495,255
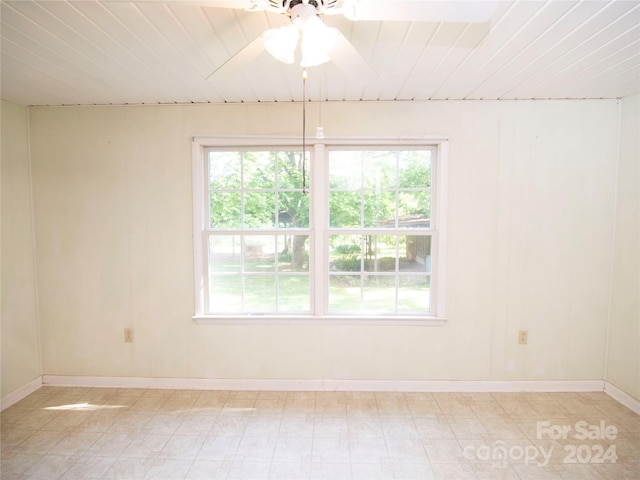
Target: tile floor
91,433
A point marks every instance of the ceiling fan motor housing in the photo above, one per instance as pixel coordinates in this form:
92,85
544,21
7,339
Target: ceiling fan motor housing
287,6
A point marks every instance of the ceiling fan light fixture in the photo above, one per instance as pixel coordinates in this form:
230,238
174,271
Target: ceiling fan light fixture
281,42
317,42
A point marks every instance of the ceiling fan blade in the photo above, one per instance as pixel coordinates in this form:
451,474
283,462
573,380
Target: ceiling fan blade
461,11
239,60
242,4
349,61
276,6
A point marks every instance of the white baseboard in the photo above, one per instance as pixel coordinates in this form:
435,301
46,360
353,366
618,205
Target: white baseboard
624,398
328,385
20,393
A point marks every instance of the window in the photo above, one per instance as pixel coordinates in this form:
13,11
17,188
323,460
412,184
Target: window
357,231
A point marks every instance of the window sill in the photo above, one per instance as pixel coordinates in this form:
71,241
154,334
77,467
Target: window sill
317,320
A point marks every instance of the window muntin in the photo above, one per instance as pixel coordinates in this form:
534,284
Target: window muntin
419,296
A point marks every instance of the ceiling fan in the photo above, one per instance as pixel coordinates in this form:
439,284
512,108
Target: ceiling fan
320,43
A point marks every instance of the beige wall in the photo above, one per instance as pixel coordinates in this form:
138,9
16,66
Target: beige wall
531,202
623,368
19,328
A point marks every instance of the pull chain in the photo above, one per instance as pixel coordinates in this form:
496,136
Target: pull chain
304,132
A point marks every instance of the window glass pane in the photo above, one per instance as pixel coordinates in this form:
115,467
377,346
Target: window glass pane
379,208
293,253
414,209
414,169
225,210
380,253
380,169
293,210
345,170
224,170
258,170
225,293
260,293
290,170
259,253
345,253
344,209
345,294
224,253
293,293
413,294
415,253
379,294
259,209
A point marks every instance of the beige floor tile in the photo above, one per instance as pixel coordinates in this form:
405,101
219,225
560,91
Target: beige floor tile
365,427
358,407
290,470
89,468
403,427
185,447
490,471
256,448
330,450
12,437
129,422
128,469
293,450
168,469
371,471
49,467
74,443
146,445
368,449
537,472
406,450
411,471
499,428
18,463
208,470
444,451
330,471
249,470
195,425
219,448
163,424
111,444
40,442
230,425
297,426
436,428
464,428
331,427
269,406
98,421
424,409
263,426
36,419
453,471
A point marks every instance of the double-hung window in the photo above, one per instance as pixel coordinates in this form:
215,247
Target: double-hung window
355,230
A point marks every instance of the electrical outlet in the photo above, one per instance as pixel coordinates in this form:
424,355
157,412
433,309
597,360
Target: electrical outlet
523,337
128,335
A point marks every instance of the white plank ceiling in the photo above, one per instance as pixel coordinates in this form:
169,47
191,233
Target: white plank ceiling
157,52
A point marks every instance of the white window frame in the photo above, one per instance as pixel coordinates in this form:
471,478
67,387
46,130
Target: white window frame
319,229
